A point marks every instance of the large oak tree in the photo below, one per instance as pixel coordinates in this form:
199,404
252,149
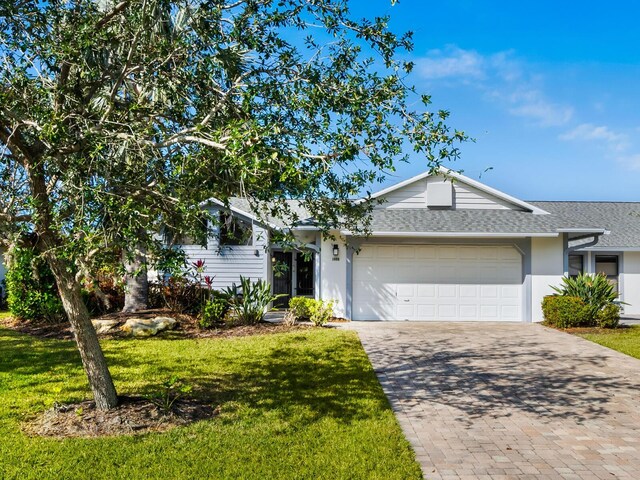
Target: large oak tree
118,118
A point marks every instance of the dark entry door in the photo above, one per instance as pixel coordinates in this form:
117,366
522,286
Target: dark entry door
304,275
282,263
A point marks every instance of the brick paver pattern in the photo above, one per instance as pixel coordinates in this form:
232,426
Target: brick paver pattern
500,401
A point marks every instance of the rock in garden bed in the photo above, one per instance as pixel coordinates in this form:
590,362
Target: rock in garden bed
134,415
146,327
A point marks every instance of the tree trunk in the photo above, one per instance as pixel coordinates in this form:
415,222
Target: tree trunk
95,365
136,296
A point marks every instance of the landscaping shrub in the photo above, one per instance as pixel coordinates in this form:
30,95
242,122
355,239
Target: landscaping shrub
178,294
594,290
185,291
213,312
299,307
105,295
609,316
32,293
320,312
248,303
317,311
563,311
3,295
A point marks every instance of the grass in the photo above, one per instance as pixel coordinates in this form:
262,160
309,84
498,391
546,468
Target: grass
303,405
625,340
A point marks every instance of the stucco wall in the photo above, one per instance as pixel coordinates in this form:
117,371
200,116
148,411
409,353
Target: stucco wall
630,281
333,274
547,268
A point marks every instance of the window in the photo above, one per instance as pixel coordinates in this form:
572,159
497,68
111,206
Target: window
234,231
608,264
576,265
196,237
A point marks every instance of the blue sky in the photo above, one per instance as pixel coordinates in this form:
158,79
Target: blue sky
549,90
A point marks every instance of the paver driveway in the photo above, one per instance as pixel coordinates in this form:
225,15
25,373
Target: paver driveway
480,401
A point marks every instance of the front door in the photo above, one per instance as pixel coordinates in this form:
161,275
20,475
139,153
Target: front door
282,274
304,274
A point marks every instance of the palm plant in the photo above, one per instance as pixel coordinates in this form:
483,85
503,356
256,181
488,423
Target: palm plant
594,290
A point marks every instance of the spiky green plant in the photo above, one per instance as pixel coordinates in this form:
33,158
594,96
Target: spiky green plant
248,302
594,290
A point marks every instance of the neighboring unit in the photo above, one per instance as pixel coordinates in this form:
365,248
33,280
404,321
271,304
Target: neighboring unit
442,247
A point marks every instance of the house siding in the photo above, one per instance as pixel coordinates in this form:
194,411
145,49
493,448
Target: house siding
465,197
228,263
630,282
333,274
547,268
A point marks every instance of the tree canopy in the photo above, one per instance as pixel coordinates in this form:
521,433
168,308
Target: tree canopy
121,117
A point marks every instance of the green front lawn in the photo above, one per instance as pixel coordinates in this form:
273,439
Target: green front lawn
304,405
625,340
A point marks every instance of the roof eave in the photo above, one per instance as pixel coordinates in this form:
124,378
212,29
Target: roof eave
456,234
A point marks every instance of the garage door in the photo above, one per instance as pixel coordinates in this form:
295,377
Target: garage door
433,282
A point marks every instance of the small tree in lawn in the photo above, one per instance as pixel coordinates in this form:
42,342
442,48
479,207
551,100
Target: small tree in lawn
118,118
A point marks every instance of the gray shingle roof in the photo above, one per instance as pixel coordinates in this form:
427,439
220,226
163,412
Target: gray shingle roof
621,219
294,205
471,221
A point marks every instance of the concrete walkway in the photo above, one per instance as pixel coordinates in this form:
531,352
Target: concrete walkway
498,401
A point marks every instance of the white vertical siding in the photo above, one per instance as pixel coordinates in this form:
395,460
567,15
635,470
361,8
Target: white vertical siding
466,197
228,263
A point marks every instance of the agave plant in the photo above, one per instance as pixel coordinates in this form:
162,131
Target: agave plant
594,290
249,301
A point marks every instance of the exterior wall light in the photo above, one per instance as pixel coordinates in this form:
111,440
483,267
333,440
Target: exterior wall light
336,250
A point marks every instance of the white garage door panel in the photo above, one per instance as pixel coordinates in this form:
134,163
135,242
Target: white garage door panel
431,282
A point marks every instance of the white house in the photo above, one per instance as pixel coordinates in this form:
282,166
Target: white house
441,248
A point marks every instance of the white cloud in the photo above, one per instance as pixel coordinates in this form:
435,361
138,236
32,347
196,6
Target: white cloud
453,62
533,104
616,145
500,77
631,162
588,131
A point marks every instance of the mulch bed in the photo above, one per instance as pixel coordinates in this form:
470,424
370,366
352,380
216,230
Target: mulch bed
582,330
134,415
187,327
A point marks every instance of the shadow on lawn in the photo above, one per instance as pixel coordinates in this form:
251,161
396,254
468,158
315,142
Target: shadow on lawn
495,377
26,355
310,383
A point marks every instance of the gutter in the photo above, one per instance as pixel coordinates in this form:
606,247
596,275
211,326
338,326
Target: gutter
453,234
591,243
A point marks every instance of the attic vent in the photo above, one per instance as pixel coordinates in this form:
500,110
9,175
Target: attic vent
440,195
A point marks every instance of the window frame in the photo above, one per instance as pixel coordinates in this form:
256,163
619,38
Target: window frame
582,265
225,239
613,279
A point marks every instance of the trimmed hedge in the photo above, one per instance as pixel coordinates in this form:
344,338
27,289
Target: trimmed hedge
563,311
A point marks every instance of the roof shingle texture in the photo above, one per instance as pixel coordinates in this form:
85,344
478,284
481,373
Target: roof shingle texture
621,219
